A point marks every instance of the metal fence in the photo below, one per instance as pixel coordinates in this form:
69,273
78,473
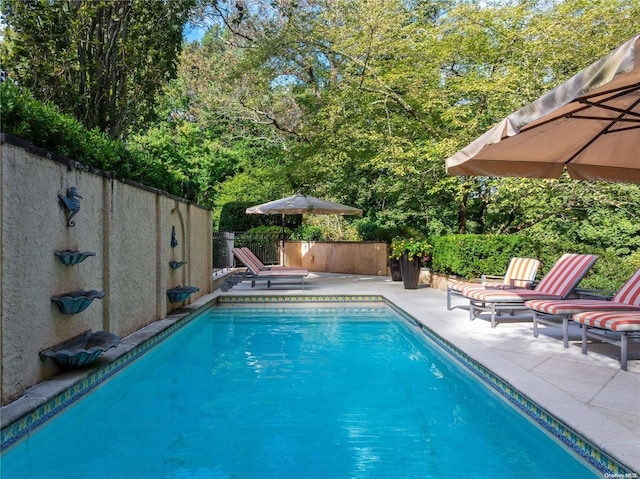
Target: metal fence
265,246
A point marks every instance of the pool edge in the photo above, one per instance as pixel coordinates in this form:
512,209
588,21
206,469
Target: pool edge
594,455
36,409
92,377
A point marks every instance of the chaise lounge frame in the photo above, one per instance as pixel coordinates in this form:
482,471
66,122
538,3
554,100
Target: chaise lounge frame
615,328
552,312
558,283
253,273
520,273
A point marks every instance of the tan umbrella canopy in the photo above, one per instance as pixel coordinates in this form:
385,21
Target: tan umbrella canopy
589,125
303,204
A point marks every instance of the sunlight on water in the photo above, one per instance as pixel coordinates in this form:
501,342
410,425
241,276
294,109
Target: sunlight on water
296,393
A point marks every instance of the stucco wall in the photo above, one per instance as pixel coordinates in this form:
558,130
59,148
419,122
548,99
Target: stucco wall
338,257
126,225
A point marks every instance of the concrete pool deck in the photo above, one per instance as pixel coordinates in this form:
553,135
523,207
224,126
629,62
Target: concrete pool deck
590,394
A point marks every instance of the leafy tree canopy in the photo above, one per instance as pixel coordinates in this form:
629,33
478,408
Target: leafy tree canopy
366,100
100,60
357,101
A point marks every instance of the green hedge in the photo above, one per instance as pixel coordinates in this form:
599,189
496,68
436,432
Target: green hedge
44,126
470,256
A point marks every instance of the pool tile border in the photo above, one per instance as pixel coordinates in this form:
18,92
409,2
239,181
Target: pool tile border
41,414
16,430
592,454
305,298
581,446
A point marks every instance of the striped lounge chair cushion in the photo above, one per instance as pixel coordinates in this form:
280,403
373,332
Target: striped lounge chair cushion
254,266
505,295
628,298
259,265
481,286
565,275
281,273
558,283
573,306
630,291
521,272
246,260
613,321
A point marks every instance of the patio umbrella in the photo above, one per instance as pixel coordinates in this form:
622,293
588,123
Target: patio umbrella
302,204
589,125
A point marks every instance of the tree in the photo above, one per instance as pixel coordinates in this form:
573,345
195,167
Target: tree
338,81
358,101
366,100
205,135
102,61
496,60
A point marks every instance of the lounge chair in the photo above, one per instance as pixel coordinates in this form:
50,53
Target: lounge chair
250,256
520,273
558,283
610,327
254,274
551,311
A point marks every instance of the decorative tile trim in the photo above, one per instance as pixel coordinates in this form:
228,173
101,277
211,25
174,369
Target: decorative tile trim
373,308
41,414
299,299
32,420
591,453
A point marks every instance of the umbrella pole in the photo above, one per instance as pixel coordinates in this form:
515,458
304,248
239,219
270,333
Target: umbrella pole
282,254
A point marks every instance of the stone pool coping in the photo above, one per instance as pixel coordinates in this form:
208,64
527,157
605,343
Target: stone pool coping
45,399
55,393
48,397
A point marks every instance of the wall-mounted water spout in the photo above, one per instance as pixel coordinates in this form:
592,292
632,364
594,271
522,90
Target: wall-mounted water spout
180,294
76,301
71,204
70,257
81,349
177,264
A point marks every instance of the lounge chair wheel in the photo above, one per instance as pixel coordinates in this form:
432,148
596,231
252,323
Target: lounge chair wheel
225,287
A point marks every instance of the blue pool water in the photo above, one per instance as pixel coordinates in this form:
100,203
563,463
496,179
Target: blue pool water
245,392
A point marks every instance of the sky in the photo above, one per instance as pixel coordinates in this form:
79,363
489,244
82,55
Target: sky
192,33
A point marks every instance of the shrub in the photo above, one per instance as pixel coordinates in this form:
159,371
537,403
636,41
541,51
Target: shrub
470,256
44,126
308,233
371,231
259,238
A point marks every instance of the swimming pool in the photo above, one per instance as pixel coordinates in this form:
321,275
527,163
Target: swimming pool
273,391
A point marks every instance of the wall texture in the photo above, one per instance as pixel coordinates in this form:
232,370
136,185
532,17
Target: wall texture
337,257
128,226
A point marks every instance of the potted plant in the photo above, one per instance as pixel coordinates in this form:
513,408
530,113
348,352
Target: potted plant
411,253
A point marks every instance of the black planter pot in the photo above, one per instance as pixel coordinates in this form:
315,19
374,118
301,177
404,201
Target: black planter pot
394,266
410,271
